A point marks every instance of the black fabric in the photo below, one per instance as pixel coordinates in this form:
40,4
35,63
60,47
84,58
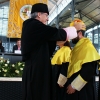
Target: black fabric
15,47
99,87
87,72
35,34
64,69
57,92
40,7
1,49
38,42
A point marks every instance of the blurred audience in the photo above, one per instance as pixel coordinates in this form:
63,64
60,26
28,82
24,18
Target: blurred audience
1,47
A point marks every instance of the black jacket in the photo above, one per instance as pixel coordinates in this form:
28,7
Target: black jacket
15,47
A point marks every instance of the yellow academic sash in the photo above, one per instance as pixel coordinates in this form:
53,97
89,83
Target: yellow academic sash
83,52
61,56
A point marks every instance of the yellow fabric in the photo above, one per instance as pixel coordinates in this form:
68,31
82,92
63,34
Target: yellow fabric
78,21
15,21
61,56
78,83
62,80
83,52
99,65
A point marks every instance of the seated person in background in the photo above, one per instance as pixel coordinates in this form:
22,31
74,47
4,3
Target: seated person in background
1,47
17,46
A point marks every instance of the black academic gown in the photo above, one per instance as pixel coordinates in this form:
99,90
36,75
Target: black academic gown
59,93
38,44
87,72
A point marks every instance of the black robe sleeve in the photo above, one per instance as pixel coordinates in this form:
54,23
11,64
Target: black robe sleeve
64,69
88,70
40,32
35,34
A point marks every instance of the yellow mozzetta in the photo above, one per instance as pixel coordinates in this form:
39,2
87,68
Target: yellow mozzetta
61,56
83,52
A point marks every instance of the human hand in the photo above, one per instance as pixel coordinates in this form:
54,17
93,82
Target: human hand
60,86
70,90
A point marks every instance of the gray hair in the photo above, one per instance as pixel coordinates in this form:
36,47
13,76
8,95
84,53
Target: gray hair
34,15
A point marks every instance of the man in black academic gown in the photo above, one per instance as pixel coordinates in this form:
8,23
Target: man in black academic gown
82,68
38,42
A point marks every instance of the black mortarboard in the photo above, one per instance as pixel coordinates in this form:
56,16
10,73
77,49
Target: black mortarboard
40,7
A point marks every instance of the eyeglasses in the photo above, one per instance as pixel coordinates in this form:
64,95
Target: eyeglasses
45,14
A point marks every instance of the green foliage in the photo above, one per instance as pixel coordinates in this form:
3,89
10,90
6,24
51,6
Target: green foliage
10,70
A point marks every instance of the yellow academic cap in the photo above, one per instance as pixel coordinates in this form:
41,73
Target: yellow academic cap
78,21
